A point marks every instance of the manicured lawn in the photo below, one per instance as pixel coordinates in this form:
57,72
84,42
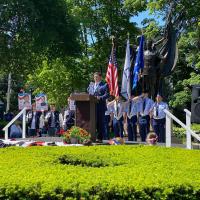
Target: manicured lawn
99,172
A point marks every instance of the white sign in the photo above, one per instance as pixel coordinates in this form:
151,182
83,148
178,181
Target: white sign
24,100
41,102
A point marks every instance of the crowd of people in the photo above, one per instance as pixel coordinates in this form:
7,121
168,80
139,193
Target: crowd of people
45,123
137,114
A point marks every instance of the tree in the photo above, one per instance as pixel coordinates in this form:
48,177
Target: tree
33,29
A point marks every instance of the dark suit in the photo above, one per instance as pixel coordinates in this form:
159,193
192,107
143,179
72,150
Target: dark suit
33,132
102,92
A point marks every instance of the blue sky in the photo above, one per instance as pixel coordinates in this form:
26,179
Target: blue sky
145,14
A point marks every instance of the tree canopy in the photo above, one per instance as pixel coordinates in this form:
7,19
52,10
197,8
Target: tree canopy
53,46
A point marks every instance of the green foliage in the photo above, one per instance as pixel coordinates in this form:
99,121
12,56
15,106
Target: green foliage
32,29
99,172
180,99
181,132
58,79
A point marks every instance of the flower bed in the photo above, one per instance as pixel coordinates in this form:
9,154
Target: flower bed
99,172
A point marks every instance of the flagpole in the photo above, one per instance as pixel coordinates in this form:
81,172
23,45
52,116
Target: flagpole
113,45
129,92
112,53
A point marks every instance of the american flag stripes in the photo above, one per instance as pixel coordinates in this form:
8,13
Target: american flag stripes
112,75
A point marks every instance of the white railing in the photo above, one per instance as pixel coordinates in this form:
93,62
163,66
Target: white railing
13,120
188,134
187,127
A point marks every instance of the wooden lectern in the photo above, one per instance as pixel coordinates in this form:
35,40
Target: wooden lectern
85,115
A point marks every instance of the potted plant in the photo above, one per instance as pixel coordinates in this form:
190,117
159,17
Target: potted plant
76,135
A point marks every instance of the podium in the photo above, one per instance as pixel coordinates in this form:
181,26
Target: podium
85,114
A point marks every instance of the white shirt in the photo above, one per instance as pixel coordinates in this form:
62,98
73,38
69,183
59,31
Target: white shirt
33,121
109,110
118,109
96,86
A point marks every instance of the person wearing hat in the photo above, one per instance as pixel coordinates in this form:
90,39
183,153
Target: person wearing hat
158,117
144,108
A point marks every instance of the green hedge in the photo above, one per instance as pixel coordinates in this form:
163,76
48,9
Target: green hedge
99,172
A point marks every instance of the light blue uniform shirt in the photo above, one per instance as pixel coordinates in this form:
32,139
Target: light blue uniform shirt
134,108
121,109
109,110
148,106
158,110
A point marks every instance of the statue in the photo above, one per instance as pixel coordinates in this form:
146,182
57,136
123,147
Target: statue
151,69
158,64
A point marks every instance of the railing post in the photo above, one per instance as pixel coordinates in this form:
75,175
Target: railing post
24,124
6,133
168,130
188,134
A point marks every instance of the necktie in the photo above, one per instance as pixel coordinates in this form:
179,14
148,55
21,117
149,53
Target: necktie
144,105
117,109
157,110
129,108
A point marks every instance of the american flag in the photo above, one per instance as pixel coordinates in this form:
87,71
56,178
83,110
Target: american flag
112,75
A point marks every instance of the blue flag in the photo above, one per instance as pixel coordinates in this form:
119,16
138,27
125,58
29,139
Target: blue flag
139,62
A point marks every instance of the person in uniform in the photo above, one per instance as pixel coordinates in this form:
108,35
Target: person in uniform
119,108
158,117
100,90
144,108
33,118
131,115
108,116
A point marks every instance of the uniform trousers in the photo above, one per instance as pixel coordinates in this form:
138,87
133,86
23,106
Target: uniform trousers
132,128
144,126
100,122
107,128
159,128
118,127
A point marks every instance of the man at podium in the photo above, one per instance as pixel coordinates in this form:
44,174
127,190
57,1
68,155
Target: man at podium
100,90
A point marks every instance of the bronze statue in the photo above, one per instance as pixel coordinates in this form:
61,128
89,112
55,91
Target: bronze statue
159,63
151,69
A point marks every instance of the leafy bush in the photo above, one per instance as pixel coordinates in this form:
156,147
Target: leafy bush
181,133
99,172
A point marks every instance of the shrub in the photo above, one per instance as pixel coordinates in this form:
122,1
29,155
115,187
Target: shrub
180,132
99,172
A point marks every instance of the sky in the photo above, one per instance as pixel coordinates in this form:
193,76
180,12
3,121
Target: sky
145,14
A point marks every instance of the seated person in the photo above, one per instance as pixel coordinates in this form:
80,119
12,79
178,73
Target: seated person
16,130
